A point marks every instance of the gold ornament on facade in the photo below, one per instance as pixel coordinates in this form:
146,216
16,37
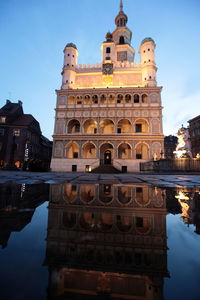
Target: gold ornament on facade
108,80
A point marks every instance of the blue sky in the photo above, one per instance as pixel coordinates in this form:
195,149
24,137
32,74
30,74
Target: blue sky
33,34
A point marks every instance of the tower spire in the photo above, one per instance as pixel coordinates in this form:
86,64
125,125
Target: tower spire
121,5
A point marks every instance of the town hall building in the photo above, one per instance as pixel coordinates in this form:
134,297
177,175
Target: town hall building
109,113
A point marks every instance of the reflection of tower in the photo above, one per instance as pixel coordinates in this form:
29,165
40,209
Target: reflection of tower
108,239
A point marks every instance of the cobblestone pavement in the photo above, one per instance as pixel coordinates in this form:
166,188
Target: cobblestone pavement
175,180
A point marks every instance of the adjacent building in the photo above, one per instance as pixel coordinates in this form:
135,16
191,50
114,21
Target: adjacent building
194,130
21,141
109,113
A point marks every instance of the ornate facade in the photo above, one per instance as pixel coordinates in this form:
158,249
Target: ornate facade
109,113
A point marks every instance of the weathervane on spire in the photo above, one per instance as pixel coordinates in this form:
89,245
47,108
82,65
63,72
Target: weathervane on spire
121,5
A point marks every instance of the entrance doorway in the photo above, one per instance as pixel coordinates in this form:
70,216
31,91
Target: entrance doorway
107,157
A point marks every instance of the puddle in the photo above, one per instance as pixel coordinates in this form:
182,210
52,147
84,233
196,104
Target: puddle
99,241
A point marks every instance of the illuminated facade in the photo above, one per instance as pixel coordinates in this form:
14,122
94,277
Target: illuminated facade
106,239
109,113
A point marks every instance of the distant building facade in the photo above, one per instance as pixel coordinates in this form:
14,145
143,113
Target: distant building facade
21,140
194,130
170,143
109,113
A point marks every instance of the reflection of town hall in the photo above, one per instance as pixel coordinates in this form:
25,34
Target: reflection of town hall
109,113
108,240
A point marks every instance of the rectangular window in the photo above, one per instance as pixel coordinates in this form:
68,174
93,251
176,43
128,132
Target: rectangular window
124,169
119,130
138,156
139,190
2,119
73,187
108,50
87,168
139,222
1,131
16,132
122,56
138,127
74,168
75,155
95,130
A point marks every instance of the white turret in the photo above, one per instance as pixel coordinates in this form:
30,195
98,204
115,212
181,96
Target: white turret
147,60
70,62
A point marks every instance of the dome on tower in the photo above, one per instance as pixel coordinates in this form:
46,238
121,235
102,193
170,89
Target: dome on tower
147,39
71,45
121,19
109,37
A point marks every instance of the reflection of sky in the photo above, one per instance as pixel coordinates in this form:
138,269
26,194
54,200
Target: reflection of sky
34,33
21,270
183,260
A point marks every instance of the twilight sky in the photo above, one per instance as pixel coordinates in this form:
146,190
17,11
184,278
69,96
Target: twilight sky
33,34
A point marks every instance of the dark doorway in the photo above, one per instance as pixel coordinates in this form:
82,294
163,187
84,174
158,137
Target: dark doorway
124,169
107,157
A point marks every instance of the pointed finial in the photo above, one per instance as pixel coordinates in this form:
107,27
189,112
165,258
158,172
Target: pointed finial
121,5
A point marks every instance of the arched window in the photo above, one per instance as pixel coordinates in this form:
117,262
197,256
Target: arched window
141,125
74,126
106,126
72,150
94,99
119,98
71,100
111,99
121,40
79,99
108,50
142,151
124,126
144,98
103,99
124,151
87,99
128,98
89,151
136,98
90,126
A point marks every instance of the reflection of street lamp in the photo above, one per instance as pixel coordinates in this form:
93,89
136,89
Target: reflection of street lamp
26,153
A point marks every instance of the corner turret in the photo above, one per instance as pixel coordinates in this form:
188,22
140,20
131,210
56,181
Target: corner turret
147,60
70,62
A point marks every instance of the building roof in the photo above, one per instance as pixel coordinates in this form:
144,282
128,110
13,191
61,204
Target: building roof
10,108
147,39
194,119
71,45
27,120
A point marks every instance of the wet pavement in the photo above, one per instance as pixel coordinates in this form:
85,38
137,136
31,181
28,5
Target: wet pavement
166,180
